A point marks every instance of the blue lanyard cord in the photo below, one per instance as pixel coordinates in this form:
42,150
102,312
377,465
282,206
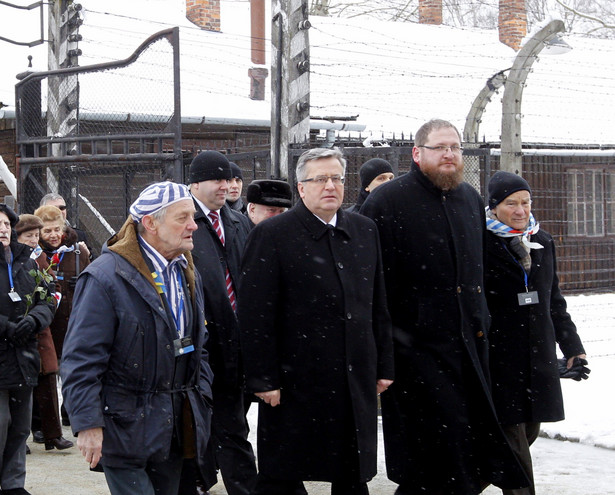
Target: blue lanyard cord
10,268
177,316
520,266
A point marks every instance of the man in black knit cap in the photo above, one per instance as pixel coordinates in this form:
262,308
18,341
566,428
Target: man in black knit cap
218,245
373,173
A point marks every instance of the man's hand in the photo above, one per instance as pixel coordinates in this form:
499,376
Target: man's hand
272,397
382,385
90,445
575,368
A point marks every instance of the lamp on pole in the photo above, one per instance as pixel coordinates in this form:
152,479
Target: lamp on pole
511,159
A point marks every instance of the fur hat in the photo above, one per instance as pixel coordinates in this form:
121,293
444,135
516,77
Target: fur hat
372,169
28,222
270,192
503,184
210,165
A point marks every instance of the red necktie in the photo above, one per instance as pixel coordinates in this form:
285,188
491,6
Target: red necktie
215,223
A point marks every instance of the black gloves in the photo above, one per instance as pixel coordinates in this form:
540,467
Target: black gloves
24,329
9,330
578,371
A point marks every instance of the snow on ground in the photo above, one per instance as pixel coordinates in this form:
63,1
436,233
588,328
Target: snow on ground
590,405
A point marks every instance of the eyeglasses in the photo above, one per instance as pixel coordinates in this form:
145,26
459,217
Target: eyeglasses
443,149
321,180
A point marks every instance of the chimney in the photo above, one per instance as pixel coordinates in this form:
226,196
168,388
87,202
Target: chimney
512,22
204,13
430,11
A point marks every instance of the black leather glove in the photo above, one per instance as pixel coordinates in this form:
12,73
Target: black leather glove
578,371
24,330
9,330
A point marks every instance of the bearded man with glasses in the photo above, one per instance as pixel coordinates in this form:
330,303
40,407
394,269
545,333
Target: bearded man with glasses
441,433
315,336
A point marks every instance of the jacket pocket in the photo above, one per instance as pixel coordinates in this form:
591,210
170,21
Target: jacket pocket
124,415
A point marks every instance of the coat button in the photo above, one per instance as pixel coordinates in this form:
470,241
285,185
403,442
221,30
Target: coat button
348,316
478,289
458,289
168,346
350,367
340,265
479,334
136,365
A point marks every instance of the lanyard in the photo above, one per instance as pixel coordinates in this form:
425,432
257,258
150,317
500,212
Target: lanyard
520,266
10,268
162,290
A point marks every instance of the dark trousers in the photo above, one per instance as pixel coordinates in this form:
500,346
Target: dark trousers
271,486
46,408
15,411
520,437
157,478
229,447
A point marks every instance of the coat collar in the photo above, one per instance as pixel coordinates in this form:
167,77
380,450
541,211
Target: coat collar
316,227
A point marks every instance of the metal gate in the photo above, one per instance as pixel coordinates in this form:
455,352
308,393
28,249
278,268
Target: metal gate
98,134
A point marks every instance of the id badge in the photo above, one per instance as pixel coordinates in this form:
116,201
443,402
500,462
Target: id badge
14,296
60,275
527,298
183,346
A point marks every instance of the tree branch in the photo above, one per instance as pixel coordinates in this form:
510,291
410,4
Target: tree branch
586,16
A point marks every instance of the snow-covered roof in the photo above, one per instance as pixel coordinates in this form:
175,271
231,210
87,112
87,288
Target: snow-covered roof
394,76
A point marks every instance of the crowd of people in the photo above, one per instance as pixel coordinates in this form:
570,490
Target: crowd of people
419,299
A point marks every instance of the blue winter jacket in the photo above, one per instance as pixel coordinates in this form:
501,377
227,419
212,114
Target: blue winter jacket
118,362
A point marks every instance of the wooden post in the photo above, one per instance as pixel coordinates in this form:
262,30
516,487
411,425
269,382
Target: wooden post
290,86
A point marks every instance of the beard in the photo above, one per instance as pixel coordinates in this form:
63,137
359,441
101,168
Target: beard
446,181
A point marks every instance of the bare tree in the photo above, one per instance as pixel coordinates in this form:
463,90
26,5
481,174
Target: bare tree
591,17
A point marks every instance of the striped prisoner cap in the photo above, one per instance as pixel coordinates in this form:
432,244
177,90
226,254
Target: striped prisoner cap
158,196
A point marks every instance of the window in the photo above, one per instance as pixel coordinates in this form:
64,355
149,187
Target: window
586,206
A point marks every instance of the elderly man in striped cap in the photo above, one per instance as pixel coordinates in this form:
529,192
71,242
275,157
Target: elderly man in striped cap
136,378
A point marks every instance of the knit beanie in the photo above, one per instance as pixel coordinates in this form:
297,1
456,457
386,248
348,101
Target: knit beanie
8,211
270,193
372,169
28,222
210,165
236,171
503,184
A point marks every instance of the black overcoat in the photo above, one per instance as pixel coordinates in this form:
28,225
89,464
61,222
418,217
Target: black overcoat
19,366
440,427
314,324
211,259
522,339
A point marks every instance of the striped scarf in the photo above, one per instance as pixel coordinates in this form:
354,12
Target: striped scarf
502,230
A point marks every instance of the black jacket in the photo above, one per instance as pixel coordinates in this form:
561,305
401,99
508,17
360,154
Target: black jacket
211,259
20,365
439,421
314,323
522,339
